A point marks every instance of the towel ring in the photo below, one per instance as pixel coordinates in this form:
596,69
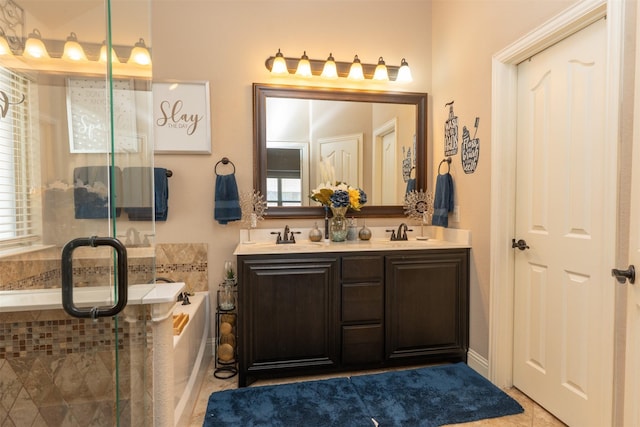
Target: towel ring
224,161
448,162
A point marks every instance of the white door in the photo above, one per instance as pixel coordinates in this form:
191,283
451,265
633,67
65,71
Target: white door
344,154
389,190
385,183
563,312
632,366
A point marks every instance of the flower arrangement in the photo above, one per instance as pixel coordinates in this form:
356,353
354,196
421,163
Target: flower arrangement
339,195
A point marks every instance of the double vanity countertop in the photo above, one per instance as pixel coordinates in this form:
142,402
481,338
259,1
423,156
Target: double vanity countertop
261,241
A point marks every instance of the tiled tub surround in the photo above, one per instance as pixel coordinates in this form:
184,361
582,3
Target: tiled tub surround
58,371
93,267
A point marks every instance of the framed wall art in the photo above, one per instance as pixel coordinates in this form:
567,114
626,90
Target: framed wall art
181,117
89,118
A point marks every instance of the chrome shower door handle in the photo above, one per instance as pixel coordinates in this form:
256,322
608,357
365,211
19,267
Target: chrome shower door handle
67,278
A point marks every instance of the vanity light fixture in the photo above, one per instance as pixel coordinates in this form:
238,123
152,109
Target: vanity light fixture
72,49
355,71
404,73
304,66
329,71
330,68
34,46
140,54
4,45
381,73
103,54
279,65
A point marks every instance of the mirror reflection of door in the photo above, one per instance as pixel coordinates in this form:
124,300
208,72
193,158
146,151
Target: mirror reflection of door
384,191
344,155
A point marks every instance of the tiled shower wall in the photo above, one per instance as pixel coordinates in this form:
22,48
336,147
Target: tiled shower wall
59,371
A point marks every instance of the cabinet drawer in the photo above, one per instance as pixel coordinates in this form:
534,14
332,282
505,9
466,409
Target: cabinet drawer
362,301
362,344
362,267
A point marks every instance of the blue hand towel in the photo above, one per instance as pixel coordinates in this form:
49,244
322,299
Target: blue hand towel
411,185
93,187
227,200
160,194
443,200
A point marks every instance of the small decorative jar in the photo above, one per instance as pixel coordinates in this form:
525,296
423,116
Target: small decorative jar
315,235
364,233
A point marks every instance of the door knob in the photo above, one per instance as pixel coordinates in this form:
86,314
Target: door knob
520,244
622,275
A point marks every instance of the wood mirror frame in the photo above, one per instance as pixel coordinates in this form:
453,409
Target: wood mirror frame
263,91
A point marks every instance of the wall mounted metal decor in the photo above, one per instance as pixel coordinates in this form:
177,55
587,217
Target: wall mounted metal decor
470,151
451,132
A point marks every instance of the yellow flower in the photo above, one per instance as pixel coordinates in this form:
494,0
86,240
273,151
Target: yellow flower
354,198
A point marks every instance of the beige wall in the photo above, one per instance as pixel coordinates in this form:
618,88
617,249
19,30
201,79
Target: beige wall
448,43
226,43
465,36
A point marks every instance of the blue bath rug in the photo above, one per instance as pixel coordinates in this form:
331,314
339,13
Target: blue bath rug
433,396
332,402
424,397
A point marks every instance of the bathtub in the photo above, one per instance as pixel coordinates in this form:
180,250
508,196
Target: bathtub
191,356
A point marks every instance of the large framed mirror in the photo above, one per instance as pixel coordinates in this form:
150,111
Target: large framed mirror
374,140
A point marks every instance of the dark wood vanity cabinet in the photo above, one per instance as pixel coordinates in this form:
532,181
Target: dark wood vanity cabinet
287,314
427,305
362,309
309,313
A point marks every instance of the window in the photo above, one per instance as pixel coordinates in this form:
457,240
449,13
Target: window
284,191
284,185
19,215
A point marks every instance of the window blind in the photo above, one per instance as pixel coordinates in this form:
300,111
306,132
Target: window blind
18,219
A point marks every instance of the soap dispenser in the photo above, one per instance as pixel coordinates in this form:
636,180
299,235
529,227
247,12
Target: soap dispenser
352,230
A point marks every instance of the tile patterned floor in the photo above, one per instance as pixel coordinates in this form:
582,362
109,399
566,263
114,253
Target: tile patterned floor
533,415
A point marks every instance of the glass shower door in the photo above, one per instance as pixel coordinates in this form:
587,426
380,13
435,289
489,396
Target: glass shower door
76,168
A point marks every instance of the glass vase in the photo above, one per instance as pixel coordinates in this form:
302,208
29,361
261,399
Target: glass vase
338,225
226,298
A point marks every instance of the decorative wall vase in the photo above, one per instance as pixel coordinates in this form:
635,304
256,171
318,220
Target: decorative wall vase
338,225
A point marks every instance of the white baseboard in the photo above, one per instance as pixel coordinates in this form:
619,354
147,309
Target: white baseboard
478,363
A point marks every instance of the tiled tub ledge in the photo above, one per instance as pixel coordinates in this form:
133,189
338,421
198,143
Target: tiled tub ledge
47,299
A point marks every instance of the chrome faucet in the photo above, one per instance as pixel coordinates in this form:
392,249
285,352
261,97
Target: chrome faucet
401,234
